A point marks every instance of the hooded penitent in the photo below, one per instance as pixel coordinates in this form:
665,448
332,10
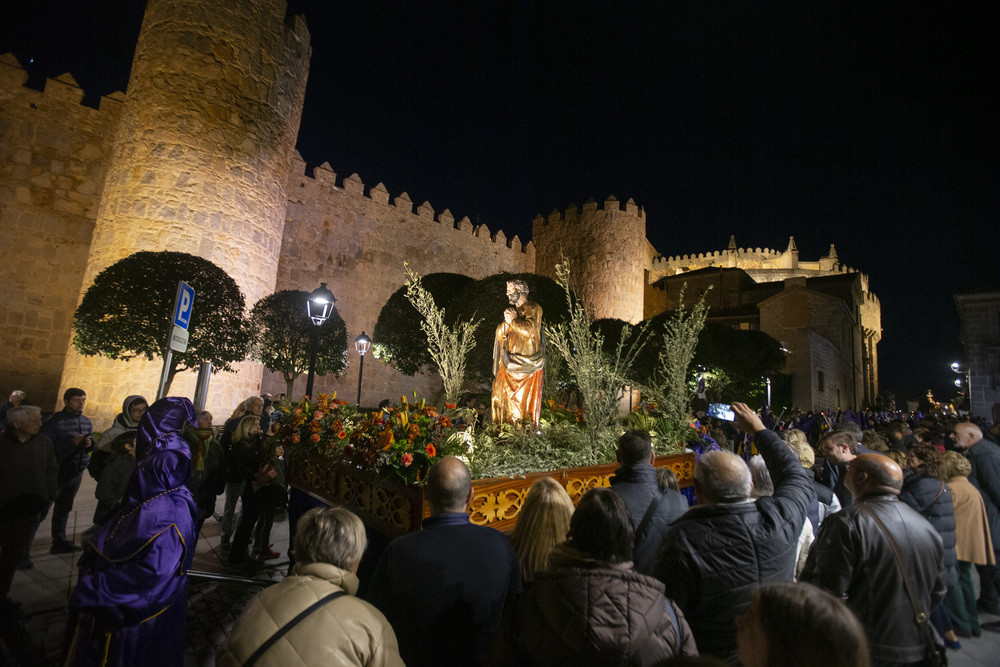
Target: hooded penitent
131,596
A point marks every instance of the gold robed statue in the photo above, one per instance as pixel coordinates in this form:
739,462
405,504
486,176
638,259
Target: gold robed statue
518,359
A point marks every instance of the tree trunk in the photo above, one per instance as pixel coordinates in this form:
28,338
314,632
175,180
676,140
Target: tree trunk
289,384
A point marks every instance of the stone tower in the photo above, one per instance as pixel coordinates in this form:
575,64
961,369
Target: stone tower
606,250
200,165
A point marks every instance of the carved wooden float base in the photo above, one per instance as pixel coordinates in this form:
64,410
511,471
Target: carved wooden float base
395,509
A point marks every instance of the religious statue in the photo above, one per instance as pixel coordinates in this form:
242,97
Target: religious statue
518,359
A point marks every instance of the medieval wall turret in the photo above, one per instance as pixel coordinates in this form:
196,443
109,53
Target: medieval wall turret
200,162
606,249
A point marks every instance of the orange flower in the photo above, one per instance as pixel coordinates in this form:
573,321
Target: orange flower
295,438
342,435
450,406
314,437
431,450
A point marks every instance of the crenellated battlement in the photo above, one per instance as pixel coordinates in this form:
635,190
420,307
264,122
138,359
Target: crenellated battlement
62,91
324,183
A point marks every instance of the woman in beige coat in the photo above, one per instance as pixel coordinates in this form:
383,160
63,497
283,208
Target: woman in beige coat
339,630
973,544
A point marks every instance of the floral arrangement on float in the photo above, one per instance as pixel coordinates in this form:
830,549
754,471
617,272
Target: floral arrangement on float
400,441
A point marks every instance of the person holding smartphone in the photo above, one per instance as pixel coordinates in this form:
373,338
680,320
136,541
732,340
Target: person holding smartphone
70,433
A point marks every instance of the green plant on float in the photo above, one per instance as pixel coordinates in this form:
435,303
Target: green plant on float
668,388
668,436
448,344
398,339
601,376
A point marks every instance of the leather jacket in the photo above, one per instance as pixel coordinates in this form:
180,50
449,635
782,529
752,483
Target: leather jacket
852,559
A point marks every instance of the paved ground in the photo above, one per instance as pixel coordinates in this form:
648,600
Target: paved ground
213,605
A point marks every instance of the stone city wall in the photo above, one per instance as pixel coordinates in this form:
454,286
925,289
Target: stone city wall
200,163
356,240
53,159
607,251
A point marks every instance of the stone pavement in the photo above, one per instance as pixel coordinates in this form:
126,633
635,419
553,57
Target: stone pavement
214,605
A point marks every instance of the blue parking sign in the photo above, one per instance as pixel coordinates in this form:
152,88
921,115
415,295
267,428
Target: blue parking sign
183,305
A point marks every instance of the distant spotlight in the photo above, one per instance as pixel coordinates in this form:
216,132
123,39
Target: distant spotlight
956,367
958,382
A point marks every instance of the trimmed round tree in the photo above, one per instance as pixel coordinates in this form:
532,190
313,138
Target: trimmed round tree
398,340
283,337
127,312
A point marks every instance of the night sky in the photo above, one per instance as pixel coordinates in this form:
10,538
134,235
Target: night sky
869,125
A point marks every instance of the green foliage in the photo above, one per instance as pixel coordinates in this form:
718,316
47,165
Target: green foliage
398,340
744,357
448,345
487,298
668,436
127,312
668,390
518,449
600,376
283,337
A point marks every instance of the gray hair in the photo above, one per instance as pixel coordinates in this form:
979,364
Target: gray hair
17,393
17,415
722,477
762,484
204,413
519,285
331,535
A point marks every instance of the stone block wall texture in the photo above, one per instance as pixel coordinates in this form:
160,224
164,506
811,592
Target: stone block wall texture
606,248
980,335
200,162
53,159
813,327
357,243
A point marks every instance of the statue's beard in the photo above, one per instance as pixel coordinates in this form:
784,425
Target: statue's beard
514,298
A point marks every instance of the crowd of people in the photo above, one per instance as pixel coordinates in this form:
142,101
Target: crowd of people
841,546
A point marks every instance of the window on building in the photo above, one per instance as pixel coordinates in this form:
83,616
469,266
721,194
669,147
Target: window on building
744,326
820,380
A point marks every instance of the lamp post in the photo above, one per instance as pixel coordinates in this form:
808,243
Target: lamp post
967,372
362,343
319,307
768,393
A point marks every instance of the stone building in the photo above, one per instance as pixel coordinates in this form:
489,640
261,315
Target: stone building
980,315
822,313
198,156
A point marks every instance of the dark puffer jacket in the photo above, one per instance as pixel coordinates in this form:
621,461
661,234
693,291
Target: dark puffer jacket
586,612
636,485
932,498
715,555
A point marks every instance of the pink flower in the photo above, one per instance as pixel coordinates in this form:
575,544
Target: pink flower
314,437
407,459
318,415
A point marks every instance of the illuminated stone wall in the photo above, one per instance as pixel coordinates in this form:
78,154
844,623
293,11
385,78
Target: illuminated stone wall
356,241
199,165
53,158
606,248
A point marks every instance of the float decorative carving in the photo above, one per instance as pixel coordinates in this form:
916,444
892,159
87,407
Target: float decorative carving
395,509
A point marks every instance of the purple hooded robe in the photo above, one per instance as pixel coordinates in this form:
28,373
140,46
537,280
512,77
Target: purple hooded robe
129,604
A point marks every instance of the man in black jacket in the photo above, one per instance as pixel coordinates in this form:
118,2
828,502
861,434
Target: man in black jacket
652,510
714,556
854,560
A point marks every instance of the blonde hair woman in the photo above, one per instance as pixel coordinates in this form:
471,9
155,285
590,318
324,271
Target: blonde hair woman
805,452
542,523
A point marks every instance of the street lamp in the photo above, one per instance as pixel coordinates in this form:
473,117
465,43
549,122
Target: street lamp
319,307
362,344
967,372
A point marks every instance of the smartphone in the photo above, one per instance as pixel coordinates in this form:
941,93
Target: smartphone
721,411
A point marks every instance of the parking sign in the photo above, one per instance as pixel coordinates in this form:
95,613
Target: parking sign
183,305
